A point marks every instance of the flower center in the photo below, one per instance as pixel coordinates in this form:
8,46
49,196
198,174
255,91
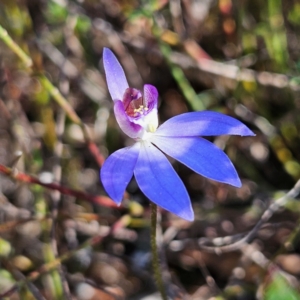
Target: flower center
134,103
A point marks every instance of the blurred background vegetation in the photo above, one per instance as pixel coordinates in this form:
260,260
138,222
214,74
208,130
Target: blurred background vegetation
241,58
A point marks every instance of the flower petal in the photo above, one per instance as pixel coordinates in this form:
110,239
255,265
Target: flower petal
115,77
205,123
150,96
201,156
160,183
128,127
117,171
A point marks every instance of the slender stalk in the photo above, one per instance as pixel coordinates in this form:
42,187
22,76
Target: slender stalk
183,83
268,213
176,71
4,36
54,92
155,256
19,176
60,99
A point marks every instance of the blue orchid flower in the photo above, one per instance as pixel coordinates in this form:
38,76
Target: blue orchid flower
136,114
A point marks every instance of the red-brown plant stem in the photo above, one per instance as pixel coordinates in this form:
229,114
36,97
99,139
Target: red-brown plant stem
94,150
101,200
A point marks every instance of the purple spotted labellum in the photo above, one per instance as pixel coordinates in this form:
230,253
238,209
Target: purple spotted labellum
179,137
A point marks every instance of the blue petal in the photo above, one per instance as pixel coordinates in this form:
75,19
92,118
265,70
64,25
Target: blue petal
205,123
160,183
118,170
115,77
201,156
150,96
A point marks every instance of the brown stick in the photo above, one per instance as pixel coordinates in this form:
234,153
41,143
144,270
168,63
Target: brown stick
101,200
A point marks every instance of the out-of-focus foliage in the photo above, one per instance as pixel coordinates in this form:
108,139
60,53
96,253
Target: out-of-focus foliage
279,288
241,58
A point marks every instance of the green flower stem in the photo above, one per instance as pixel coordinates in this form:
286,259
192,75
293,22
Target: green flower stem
4,36
48,86
184,85
154,250
177,73
54,92
60,99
